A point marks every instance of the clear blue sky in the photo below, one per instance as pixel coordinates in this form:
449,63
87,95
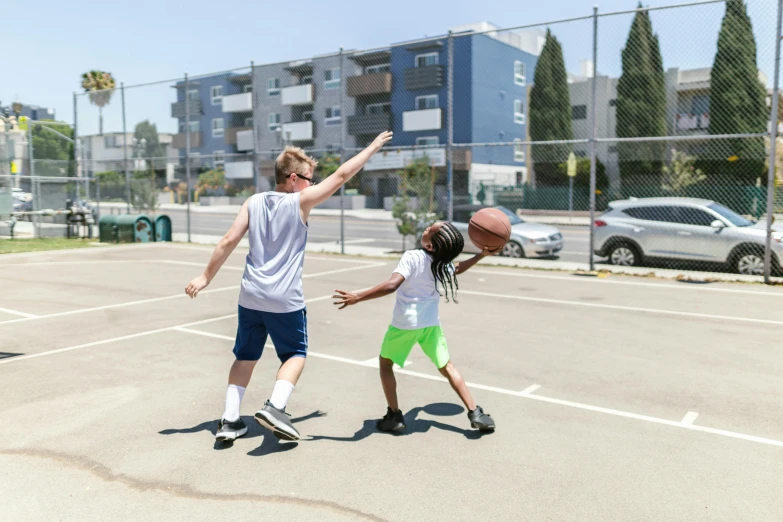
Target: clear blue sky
48,44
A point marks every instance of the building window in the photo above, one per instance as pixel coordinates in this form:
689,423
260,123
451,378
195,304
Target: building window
249,122
193,95
378,108
273,121
519,151
579,112
306,80
110,142
426,60
612,102
427,141
380,68
216,93
519,73
194,126
307,116
217,127
333,115
426,102
273,86
247,88
218,158
332,78
519,112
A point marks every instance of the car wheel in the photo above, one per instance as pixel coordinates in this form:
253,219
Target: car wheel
624,254
513,249
750,262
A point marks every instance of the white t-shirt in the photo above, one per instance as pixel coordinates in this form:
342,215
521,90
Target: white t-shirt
417,296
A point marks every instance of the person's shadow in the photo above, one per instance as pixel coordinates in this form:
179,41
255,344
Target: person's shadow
414,424
269,444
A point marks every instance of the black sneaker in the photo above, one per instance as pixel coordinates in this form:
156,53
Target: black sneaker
479,419
392,422
230,431
277,422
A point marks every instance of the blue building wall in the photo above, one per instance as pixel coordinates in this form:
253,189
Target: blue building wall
494,92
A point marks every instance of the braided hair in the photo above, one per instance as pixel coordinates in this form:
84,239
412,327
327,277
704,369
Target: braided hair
447,243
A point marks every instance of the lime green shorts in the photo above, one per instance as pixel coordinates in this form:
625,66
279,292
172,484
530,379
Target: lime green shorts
397,345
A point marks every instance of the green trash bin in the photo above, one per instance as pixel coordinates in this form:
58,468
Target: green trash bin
135,229
107,229
163,228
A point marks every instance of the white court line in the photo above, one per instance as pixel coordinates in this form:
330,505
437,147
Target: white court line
689,418
530,389
626,308
79,251
588,279
340,270
15,312
526,394
374,363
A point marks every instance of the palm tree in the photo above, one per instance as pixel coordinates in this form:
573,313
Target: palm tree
100,85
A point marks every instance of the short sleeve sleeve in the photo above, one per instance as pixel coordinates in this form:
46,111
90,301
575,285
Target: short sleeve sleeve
405,266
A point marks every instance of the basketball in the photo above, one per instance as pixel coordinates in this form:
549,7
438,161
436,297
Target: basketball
489,228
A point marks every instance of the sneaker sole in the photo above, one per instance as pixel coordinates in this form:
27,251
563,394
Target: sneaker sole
223,437
396,429
481,427
268,422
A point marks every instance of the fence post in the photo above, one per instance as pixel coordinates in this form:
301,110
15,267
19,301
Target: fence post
76,171
187,148
450,130
125,150
256,174
773,136
342,149
593,125
33,184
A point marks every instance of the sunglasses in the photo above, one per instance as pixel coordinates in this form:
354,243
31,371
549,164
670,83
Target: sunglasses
311,180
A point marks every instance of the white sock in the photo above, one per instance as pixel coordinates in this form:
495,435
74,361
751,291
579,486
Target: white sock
280,394
234,396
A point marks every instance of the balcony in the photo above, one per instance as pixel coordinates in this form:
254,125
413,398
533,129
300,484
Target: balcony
239,170
298,131
429,119
297,95
429,77
367,84
245,140
395,160
178,109
231,134
179,141
242,102
369,123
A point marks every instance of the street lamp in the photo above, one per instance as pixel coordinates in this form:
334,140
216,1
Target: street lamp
139,146
17,107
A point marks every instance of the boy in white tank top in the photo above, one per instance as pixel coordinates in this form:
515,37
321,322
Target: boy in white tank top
271,302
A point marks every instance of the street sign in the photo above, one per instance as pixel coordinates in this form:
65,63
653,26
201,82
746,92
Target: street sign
571,165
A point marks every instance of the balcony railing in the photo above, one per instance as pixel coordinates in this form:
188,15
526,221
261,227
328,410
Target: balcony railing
231,134
367,84
429,77
297,95
242,102
298,131
179,141
428,119
178,109
369,123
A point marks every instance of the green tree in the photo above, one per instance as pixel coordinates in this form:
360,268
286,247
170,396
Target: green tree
144,192
152,148
737,101
417,180
550,109
641,103
52,152
100,85
681,174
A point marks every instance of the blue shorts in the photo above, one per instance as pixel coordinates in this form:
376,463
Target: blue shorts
288,332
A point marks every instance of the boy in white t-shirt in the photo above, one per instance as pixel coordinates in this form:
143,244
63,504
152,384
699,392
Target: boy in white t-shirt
416,320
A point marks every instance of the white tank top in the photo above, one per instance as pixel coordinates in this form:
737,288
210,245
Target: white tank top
272,281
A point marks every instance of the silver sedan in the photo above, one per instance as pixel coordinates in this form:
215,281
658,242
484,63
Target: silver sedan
527,239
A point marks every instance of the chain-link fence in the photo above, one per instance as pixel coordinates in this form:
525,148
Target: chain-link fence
643,137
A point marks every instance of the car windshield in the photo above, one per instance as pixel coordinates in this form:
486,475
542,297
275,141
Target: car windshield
515,220
734,218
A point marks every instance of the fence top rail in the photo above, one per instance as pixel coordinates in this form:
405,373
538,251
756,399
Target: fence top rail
662,7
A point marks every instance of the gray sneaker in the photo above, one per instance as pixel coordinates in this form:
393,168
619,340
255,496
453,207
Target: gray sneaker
479,419
277,421
230,431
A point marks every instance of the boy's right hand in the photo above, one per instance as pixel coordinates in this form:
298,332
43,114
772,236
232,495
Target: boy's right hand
381,140
344,298
196,286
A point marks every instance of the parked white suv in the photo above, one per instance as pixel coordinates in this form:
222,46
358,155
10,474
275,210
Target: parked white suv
689,229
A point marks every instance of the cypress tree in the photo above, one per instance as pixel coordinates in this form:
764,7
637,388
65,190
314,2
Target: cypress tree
641,104
737,102
550,110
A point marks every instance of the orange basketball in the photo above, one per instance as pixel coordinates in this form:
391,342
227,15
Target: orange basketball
489,228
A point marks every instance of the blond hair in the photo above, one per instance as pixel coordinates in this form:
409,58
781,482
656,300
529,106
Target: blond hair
292,159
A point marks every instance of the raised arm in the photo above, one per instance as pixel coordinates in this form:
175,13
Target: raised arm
225,246
350,298
317,194
464,266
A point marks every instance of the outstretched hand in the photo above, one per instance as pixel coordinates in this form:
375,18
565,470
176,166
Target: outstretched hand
381,140
196,286
344,298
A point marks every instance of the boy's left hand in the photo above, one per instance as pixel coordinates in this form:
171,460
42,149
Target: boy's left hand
344,298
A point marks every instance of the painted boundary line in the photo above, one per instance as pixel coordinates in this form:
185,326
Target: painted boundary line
16,312
527,393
